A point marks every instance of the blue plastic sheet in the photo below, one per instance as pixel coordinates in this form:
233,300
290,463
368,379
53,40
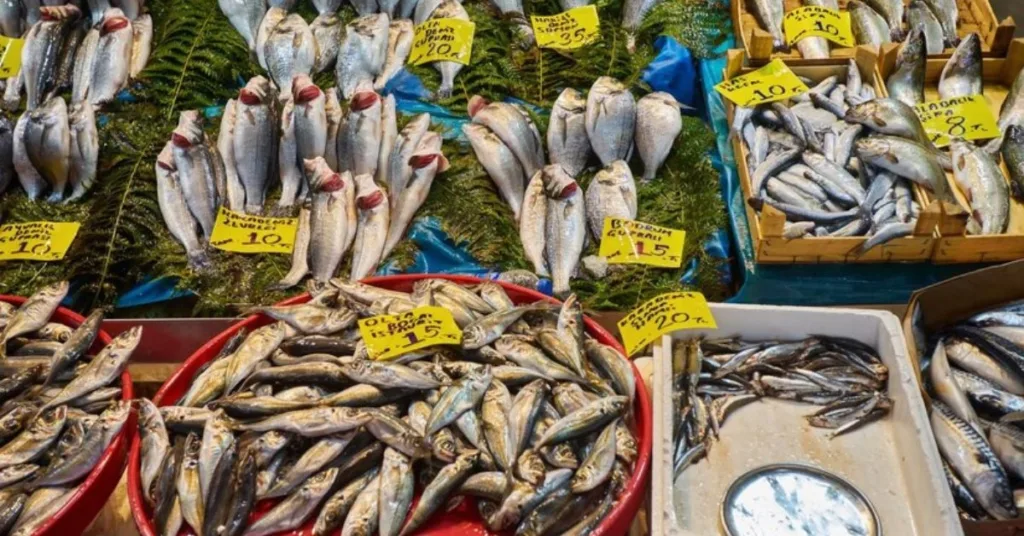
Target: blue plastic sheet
673,71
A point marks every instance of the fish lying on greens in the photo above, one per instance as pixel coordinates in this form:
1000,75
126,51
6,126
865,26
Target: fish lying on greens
975,377
711,378
60,408
339,441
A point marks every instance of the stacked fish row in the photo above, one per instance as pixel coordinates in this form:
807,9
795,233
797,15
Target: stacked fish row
94,58
812,161
528,417
711,378
976,170
873,22
58,407
332,159
553,216
976,380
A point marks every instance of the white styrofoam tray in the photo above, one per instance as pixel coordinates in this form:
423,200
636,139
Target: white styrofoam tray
894,461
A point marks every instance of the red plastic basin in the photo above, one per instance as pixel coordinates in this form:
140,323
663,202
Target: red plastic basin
92,494
464,520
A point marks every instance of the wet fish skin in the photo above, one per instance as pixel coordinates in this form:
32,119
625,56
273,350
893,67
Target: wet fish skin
428,161
567,139
310,117
920,17
374,219
327,31
332,222
458,398
188,485
869,28
513,127
522,416
84,148
907,159
400,36
596,468
48,144
769,14
297,507
437,491
396,492
565,227
388,135
359,137
85,56
1013,155
255,136
28,177
961,76
319,456
290,50
34,313
399,170
610,119
337,506
362,53
611,194
245,16
105,368
979,176
80,462
39,56
113,59
500,163
300,253
586,419
948,389
947,13
448,9
191,159
217,439
155,444
658,122
906,83
363,517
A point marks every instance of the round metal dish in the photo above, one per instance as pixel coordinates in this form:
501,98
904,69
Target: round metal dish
796,500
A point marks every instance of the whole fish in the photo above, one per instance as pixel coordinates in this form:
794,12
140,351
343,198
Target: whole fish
921,18
396,492
327,30
769,14
48,143
300,253
1007,442
610,119
84,149
907,159
271,19
533,223
597,467
512,11
388,376
40,507
290,50
448,479
175,211
33,314
400,34
113,60
961,76
889,116
449,9
255,135
427,161
611,194
657,124
310,118
104,368
869,28
28,176
981,180
35,440
584,420
85,57
947,12
74,347
155,445
463,395
315,422
362,53
399,170
297,507
892,12
62,76
388,135
327,6
567,139
359,136
364,515
906,83
41,50
815,47
80,462
614,365
948,390
234,191
565,226
142,44
312,461
971,458
497,403
513,127
374,218
1013,156
522,416
132,8
7,172
294,182
217,440
245,16
256,348
337,506
499,162
310,318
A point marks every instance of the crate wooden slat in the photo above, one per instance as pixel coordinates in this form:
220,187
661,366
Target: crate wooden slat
975,16
954,244
766,226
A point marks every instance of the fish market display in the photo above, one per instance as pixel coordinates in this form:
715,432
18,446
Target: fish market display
60,407
838,161
356,181
553,212
529,419
976,382
873,22
713,377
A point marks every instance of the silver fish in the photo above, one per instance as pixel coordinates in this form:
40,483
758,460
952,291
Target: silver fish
335,116
142,44
948,390
362,53
173,208
35,440
565,226
907,159
513,127
256,348
40,508
297,507
300,254
360,134
294,181
499,162
463,395
312,461
769,14
113,60
34,313
658,122
315,422
948,13
195,169
374,217
522,415
364,515
85,56
448,9
255,136
80,462
388,135
434,494
337,506
869,27
217,440
310,118
11,24
596,469
906,83
567,139
84,149
920,17
235,192
497,403
102,370
512,11
290,50
979,177
892,12
327,30
271,19
397,486
332,219
961,76
400,34
245,16
610,120
584,420
611,194
28,177
155,444
427,161
399,170
48,143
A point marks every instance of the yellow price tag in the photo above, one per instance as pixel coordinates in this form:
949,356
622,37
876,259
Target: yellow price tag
813,21
969,118
390,336
664,314
37,240
442,40
10,60
770,83
636,242
247,233
567,30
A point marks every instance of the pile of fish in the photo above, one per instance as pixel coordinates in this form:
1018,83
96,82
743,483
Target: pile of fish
976,381
874,23
838,161
976,170
358,179
59,407
711,378
529,418
65,49
553,214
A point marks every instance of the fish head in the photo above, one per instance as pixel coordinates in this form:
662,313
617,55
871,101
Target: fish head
607,85
364,99
53,292
189,130
913,47
304,90
113,21
368,194
874,148
476,103
571,100
63,12
558,184
165,160
968,52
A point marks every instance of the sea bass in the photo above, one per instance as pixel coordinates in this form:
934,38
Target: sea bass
113,60
658,122
565,226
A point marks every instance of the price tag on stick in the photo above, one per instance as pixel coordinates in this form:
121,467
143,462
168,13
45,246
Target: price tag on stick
567,30
442,40
37,240
390,336
248,233
636,242
969,118
664,314
773,82
813,21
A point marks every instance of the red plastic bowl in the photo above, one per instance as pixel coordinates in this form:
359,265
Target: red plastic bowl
92,494
464,520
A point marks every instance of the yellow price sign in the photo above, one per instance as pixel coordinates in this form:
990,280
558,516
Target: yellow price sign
773,82
10,60
813,21
969,118
664,314
636,242
567,30
248,233
390,336
442,40
37,240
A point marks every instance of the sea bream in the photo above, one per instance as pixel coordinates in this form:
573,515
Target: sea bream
567,139
658,122
245,16
271,18
290,50
513,127
610,120
449,9
611,194
362,53
48,144
327,30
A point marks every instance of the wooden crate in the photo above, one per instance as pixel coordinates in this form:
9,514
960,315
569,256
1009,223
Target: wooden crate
766,227
954,245
976,16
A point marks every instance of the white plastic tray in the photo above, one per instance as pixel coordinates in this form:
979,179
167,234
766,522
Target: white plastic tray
894,461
